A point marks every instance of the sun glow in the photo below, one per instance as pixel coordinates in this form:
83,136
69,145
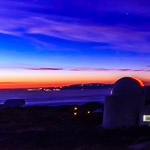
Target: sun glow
140,82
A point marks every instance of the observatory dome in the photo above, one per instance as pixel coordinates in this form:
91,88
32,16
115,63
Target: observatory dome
127,86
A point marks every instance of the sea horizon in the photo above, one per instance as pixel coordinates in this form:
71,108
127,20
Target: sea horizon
62,97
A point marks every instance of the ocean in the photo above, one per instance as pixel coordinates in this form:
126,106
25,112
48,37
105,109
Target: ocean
62,97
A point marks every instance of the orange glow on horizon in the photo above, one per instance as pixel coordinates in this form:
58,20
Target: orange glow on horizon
140,82
18,84
59,83
24,85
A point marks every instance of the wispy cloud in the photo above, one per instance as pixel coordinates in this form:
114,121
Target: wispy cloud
75,69
86,69
102,69
44,69
116,36
25,23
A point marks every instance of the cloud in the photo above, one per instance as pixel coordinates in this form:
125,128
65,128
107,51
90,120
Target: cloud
85,69
76,69
118,37
44,69
102,69
32,18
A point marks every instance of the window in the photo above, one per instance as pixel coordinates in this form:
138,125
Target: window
146,118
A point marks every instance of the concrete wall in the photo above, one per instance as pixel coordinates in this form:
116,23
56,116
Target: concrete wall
122,111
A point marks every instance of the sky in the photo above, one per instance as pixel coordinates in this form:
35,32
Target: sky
61,42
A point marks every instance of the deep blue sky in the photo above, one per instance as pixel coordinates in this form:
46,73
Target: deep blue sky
62,41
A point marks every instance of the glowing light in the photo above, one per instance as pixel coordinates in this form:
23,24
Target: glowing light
34,89
75,113
75,108
47,90
56,89
146,118
88,112
140,82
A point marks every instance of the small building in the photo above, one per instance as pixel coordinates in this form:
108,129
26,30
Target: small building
126,105
14,103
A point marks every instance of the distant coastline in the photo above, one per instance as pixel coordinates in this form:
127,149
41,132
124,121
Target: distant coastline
74,87
69,87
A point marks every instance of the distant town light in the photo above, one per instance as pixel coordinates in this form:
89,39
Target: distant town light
56,89
34,89
75,113
88,112
146,118
47,90
75,108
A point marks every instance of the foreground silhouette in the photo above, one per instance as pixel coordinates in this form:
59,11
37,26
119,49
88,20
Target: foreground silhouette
58,128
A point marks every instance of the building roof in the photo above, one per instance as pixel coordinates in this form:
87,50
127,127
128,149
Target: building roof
127,86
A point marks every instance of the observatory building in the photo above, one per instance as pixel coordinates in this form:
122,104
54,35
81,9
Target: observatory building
126,105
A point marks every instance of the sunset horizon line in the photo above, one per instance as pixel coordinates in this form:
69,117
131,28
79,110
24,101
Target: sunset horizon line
26,85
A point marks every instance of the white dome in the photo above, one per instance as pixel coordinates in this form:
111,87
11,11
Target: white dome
127,86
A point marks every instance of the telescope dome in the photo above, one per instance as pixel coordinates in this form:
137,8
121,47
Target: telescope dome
127,86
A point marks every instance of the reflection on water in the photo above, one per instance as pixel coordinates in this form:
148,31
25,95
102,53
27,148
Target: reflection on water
66,97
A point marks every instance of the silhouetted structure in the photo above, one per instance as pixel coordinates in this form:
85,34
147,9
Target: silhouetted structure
126,106
14,103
